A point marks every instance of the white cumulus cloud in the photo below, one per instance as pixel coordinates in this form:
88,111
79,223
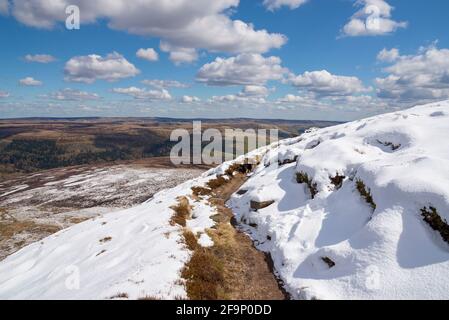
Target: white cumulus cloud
93,67
72,95
244,69
164,84
40,58
323,83
417,78
186,24
250,94
179,55
30,82
144,94
4,7
237,98
190,99
148,54
276,4
372,19
291,98
388,55
252,90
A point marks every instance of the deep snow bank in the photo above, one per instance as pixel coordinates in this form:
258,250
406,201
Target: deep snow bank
337,245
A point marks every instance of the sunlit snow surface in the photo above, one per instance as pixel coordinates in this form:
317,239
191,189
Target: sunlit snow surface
389,253
386,253
136,252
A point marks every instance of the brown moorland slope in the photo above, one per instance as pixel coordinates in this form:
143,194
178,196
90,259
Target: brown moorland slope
30,145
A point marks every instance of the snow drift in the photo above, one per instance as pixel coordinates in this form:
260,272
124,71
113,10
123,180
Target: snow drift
354,228
356,211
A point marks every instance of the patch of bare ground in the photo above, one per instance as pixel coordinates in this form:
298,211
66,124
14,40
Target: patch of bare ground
12,228
76,220
18,233
232,269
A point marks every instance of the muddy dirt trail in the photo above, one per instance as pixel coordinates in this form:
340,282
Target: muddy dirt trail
253,277
246,272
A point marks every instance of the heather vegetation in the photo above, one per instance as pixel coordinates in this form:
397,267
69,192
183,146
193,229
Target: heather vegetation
32,145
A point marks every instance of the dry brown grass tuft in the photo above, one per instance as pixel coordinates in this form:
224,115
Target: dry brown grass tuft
104,240
365,193
204,275
182,210
121,295
217,183
242,168
190,240
393,146
435,221
232,168
201,191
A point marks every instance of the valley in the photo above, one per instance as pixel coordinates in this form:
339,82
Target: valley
30,145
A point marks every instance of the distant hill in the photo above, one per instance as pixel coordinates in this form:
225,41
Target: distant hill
28,145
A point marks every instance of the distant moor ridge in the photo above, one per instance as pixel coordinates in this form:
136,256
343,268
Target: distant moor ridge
29,145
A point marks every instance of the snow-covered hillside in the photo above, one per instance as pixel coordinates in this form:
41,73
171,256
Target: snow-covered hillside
34,206
339,245
356,211
135,252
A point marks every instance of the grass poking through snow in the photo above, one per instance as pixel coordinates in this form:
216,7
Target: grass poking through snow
190,240
182,211
365,193
204,275
201,191
217,182
106,239
435,221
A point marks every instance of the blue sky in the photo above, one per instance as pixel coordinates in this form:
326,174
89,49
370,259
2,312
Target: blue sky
249,58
